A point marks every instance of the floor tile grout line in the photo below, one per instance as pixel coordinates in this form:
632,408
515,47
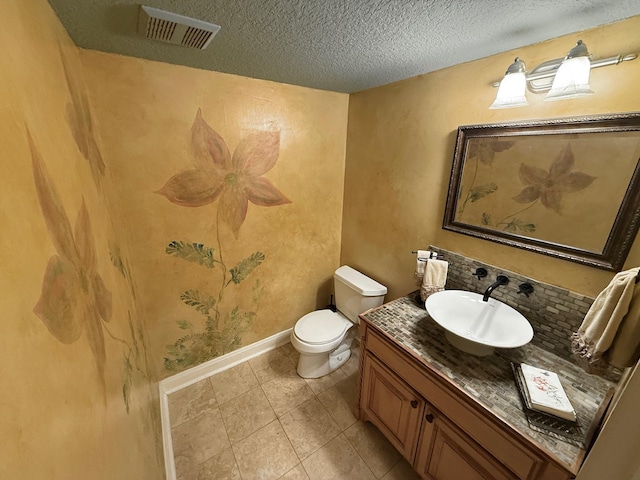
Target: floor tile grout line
340,431
235,459
360,456
194,417
236,396
294,448
305,470
271,405
214,391
365,462
249,434
172,426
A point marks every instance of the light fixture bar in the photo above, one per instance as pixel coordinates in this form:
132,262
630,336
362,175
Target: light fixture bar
549,68
562,78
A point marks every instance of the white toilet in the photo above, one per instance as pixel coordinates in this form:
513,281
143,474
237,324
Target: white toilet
322,337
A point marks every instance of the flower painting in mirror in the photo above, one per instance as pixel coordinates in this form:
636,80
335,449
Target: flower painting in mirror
564,187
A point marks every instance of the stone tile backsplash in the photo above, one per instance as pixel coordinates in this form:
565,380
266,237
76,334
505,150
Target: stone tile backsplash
554,312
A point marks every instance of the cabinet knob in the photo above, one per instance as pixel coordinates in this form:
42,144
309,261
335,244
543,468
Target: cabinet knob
429,417
414,403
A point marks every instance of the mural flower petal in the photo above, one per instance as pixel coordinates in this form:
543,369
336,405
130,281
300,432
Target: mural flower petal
95,159
528,194
52,209
79,134
192,188
58,304
486,152
551,198
563,164
236,180
79,106
257,153
85,142
84,240
262,192
233,208
500,146
532,175
210,151
102,298
78,115
574,181
550,186
95,335
482,152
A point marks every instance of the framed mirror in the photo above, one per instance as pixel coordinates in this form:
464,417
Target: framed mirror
569,187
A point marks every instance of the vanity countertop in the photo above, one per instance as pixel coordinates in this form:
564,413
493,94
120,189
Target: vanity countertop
489,380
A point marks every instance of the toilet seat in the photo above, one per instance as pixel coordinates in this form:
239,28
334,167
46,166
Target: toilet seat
321,327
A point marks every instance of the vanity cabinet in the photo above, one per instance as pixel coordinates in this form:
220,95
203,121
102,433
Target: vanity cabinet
444,434
392,405
446,452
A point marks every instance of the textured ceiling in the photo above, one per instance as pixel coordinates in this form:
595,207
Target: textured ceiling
339,45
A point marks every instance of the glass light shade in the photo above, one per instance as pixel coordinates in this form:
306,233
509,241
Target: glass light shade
572,80
511,92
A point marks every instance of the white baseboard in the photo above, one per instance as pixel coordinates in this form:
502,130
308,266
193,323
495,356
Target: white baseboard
200,372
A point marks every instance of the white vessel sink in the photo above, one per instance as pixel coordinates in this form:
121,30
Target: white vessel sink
475,326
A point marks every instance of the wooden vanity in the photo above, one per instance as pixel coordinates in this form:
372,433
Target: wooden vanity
456,416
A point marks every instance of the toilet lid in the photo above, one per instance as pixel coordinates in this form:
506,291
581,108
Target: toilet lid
321,326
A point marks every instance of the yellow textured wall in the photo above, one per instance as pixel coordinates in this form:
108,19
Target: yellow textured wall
96,187
400,146
78,391
165,184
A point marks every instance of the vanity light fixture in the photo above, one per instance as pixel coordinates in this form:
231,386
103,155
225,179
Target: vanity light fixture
572,78
512,87
562,77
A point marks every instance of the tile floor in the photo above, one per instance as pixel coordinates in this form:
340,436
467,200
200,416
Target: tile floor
259,420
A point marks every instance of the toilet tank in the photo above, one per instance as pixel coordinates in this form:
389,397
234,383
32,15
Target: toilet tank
356,293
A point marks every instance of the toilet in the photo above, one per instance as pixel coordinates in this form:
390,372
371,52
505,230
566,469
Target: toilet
324,337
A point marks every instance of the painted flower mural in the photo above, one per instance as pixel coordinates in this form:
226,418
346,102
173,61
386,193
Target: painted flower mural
549,187
233,180
78,115
74,297
546,187
484,153
75,300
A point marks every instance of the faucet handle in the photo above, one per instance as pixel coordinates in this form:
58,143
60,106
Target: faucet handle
525,288
480,273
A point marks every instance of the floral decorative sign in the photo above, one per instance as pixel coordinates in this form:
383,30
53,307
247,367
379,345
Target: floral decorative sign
563,187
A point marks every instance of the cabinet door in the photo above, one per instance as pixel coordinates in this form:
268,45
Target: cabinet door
391,405
447,453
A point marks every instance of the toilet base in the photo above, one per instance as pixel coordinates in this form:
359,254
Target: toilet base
316,365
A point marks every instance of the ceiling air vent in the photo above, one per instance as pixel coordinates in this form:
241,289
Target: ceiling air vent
173,28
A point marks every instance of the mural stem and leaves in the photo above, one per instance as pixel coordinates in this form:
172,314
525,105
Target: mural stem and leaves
483,154
222,332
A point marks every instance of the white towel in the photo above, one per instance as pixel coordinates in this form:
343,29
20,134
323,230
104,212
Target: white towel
421,263
610,332
435,278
